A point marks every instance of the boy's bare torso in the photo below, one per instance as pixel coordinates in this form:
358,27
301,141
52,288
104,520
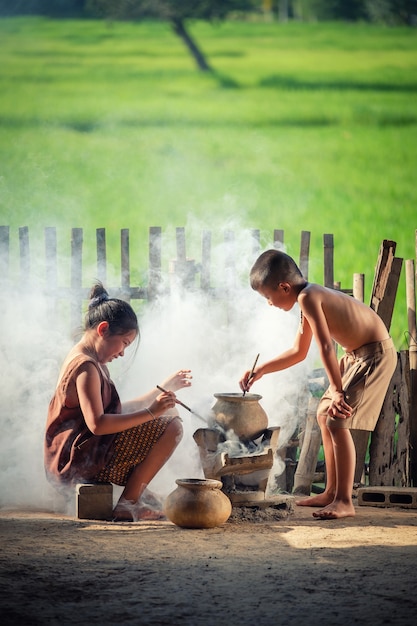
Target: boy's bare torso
351,323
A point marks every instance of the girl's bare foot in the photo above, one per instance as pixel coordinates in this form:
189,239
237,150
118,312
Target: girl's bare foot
321,499
127,511
336,510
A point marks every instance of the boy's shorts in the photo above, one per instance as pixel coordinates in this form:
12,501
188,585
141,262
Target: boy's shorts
366,375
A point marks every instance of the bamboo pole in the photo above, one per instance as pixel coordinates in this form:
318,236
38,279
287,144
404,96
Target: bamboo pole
359,287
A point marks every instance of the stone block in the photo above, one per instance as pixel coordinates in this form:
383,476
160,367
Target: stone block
94,501
405,497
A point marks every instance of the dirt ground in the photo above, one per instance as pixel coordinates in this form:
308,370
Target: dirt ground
297,570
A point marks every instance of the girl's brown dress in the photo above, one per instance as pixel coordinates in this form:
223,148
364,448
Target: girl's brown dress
73,454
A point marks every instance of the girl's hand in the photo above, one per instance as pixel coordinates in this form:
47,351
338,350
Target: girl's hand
176,381
339,407
162,403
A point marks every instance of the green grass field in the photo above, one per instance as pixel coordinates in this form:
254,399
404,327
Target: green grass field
300,127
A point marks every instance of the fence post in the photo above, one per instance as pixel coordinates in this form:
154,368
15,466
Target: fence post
24,255
101,255
155,263
125,264
4,252
328,261
278,239
76,277
304,252
205,260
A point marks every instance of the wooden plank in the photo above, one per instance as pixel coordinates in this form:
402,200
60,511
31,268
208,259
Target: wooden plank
155,261
328,245
390,442
384,290
310,446
386,304
304,252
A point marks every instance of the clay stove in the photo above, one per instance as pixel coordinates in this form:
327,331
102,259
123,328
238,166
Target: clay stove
240,457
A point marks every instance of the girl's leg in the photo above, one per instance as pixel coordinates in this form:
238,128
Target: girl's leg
345,461
325,498
128,504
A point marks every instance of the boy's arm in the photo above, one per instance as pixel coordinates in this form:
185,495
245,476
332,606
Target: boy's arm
316,320
286,359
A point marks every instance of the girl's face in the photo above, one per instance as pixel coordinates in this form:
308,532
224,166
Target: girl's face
114,346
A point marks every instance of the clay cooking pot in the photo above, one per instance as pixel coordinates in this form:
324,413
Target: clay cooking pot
241,413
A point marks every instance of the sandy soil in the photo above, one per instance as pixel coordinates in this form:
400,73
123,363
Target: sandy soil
298,570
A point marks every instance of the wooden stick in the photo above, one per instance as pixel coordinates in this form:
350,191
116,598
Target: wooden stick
251,372
182,404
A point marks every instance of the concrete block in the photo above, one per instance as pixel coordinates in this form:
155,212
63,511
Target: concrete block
94,501
405,497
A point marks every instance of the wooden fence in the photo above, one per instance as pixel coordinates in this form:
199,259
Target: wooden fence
395,461
186,270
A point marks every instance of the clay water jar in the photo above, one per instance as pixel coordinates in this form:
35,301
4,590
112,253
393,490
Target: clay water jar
241,413
198,503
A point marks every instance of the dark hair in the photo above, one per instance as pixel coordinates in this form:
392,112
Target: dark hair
272,267
118,313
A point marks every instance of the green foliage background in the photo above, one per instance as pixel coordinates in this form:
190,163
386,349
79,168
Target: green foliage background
301,127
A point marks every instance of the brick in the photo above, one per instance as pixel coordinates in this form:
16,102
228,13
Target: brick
94,501
405,497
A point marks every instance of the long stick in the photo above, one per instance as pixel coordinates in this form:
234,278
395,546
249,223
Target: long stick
251,372
182,404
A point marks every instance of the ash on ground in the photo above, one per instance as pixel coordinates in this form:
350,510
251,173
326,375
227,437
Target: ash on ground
264,511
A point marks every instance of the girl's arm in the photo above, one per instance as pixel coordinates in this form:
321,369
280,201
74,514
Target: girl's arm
176,381
88,385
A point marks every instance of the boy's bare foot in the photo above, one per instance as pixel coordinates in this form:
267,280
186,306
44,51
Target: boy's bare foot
336,510
321,499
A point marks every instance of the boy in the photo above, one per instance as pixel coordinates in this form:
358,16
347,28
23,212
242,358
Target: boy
357,384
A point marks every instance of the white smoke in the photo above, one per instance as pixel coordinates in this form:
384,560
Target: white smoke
218,339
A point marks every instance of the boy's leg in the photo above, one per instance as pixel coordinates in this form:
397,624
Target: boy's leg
345,461
325,498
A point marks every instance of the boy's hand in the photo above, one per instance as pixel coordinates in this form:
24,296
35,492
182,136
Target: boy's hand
339,407
248,379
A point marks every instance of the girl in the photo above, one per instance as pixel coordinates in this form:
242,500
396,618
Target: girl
90,436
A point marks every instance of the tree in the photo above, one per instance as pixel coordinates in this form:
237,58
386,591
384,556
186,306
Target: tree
176,12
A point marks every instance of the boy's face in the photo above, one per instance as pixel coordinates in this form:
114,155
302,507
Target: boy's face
279,296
